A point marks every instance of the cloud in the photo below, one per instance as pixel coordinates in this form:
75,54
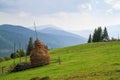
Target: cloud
108,1
23,14
8,6
41,6
115,4
69,21
109,11
86,6
67,14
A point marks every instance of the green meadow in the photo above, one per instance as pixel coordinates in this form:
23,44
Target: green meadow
93,61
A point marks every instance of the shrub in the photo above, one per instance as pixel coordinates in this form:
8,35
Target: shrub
1,59
7,58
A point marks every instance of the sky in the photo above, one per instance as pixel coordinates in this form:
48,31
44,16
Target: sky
66,14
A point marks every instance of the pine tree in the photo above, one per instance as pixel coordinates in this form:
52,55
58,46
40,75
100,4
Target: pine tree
97,36
30,46
94,36
105,36
90,39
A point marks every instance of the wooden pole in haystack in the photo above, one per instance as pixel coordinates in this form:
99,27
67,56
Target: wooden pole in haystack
35,31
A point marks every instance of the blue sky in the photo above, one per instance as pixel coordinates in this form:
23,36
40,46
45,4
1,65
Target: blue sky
66,14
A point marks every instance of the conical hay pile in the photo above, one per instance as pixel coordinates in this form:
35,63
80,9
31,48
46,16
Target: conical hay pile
39,56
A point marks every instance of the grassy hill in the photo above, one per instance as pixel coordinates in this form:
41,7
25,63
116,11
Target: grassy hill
94,61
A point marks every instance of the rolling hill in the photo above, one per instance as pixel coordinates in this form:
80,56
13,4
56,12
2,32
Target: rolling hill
10,34
94,61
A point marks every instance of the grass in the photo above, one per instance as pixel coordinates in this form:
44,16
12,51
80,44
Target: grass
94,61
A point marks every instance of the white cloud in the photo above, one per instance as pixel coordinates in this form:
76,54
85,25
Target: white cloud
109,11
115,4
108,1
86,6
70,21
23,14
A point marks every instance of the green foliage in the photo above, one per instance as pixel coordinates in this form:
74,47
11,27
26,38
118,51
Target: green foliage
18,53
1,59
21,52
90,39
93,61
105,36
7,58
30,46
99,35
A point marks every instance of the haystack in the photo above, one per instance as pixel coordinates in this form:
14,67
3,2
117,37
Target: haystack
39,56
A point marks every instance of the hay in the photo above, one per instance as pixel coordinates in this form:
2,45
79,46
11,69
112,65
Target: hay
39,56
21,66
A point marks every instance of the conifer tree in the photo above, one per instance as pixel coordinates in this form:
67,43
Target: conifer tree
94,36
105,36
90,39
99,34
30,46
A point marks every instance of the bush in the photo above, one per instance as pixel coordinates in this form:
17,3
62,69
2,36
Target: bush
1,59
7,58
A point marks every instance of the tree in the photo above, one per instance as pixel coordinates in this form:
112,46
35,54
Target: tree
90,39
97,36
30,46
21,52
105,36
12,55
94,36
100,35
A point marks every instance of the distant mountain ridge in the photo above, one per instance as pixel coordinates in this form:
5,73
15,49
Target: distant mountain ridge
113,31
10,34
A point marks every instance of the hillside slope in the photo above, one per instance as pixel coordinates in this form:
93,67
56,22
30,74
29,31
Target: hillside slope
10,34
94,61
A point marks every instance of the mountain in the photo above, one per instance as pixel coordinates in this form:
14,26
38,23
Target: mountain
53,38
84,33
113,31
49,29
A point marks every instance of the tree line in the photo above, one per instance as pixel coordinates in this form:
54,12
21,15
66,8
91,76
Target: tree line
99,35
21,52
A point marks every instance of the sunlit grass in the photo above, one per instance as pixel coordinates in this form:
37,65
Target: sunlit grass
94,61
